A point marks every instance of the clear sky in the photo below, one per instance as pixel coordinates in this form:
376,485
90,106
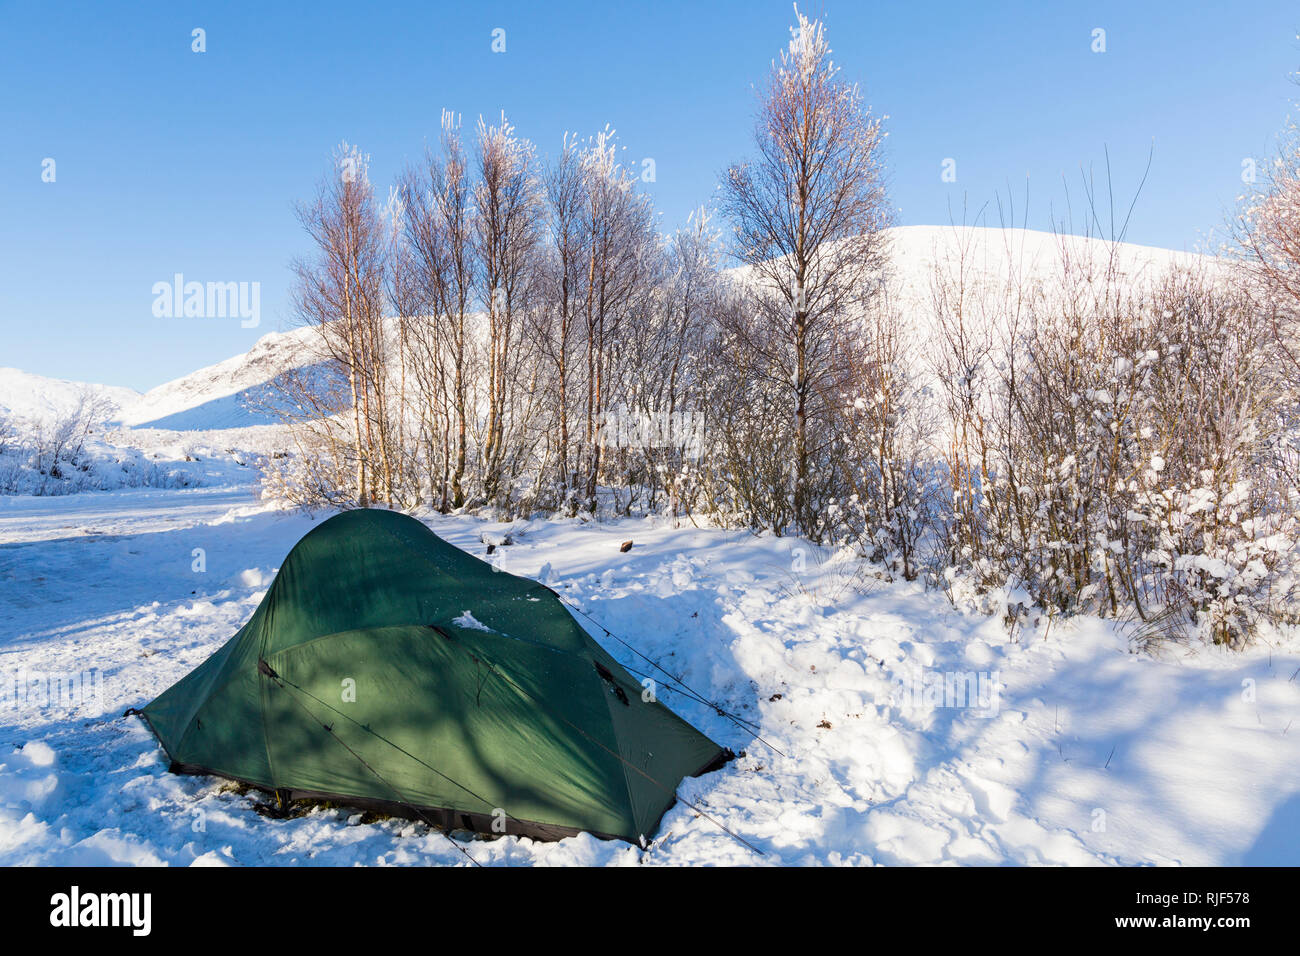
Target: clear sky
170,161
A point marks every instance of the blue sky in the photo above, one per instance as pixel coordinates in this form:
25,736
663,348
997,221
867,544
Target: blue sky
172,161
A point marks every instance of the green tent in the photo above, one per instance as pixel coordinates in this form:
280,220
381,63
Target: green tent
387,669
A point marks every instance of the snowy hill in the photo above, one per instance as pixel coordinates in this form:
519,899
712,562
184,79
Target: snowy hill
224,395
990,257
37,398
217,397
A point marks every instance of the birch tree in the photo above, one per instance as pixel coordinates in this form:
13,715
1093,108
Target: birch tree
439,231
508,210
340,291
808,212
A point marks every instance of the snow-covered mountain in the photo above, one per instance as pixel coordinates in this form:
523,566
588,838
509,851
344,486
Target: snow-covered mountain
37,398
213,398
224,395
995,256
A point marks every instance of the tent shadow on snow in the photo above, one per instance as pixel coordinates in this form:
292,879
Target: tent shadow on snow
678,679
361,679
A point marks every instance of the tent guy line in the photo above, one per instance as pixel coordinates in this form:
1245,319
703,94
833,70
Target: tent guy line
685,689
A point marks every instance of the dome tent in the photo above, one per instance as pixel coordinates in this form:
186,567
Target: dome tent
386,668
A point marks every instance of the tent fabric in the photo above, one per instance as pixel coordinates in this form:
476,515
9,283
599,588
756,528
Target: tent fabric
387,668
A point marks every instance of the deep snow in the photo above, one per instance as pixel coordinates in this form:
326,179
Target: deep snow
1086,753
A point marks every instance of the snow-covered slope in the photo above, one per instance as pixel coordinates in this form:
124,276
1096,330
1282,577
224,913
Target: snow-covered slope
989,259
217,397
224,395
991,256
36,398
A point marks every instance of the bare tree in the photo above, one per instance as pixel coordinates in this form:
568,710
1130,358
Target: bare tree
508,209
808,214
439,232
558,319
1268,230
341,293
621,250
662,367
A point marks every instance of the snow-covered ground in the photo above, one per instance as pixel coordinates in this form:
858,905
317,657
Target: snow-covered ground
1072,749
1078,752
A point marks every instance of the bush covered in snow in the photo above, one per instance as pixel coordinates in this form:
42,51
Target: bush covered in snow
70,452
1114,450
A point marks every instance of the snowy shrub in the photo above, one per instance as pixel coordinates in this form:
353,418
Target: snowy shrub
1113,451
883,455
53,456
